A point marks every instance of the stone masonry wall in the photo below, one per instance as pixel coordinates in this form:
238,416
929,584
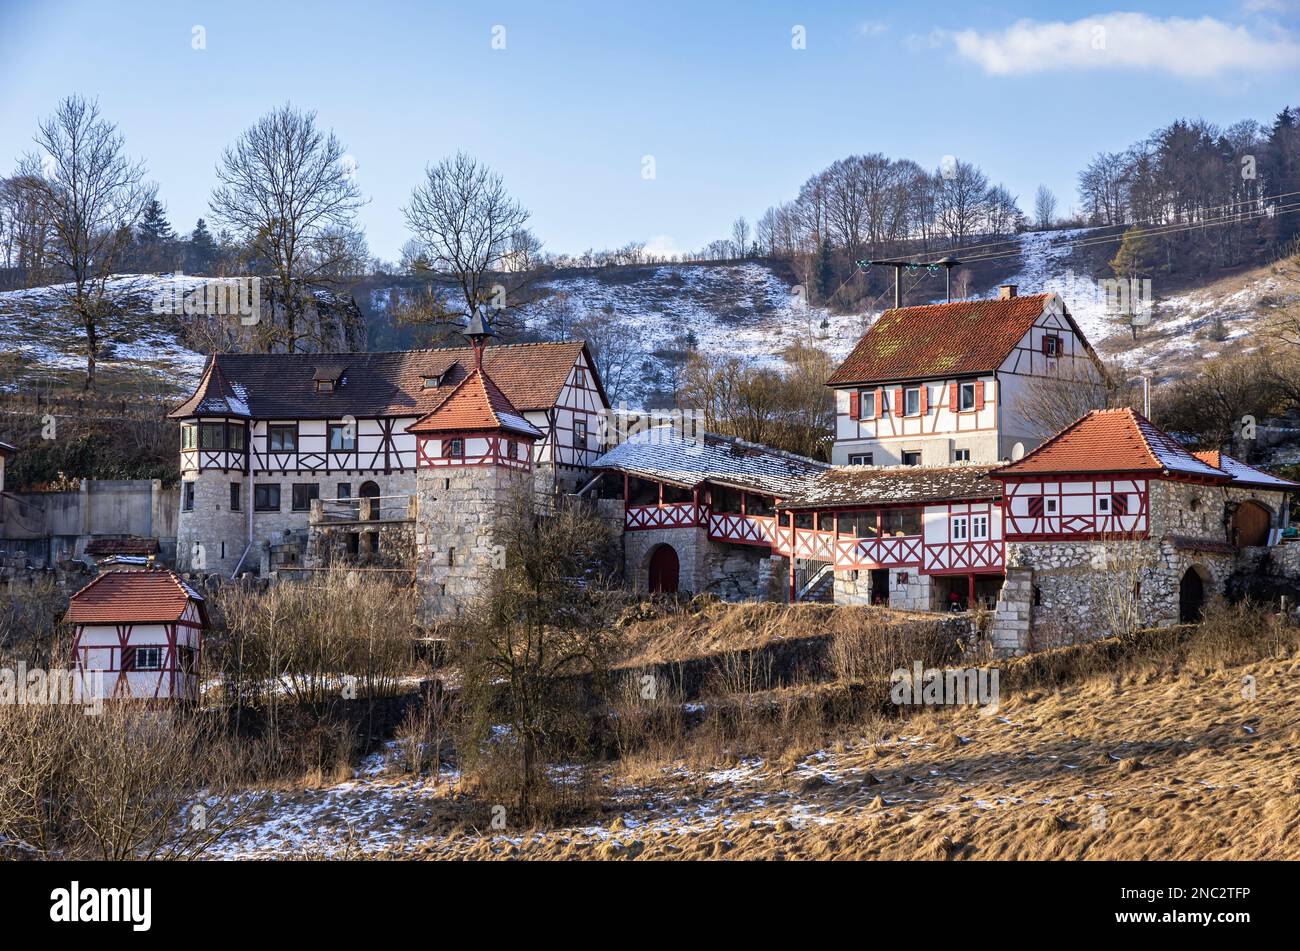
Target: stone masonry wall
459,510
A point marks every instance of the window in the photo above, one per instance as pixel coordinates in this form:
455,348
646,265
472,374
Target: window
189,437
961,455
521,449
901,522
432,382
912,458
456,447
1050,506
912,401
966,397
579,376
862,459
324,386
303,493
282,438
960,528
342,437
187,496
451,557
1103,504
212,435
266,497
344,490
580,433
979,527
142,658
235,437
1052,345
234,496
867,404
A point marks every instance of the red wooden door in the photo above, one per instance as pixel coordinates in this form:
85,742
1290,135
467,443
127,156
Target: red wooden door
663,570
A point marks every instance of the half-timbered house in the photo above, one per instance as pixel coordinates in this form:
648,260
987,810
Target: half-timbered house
264,436
143,630
950,383
699,511
1114,518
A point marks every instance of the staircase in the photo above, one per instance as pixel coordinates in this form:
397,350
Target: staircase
815,582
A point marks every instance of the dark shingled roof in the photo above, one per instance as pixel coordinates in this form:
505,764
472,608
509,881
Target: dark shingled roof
662,453
122,546
283,385
896,485
908,343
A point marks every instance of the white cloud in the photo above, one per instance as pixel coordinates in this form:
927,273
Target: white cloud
872,27
1191,48
663,245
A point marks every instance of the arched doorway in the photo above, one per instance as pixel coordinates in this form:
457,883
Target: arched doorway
1250,524
663,570
1191,596
369,492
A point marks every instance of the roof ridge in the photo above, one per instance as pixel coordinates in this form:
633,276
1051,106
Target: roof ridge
317,354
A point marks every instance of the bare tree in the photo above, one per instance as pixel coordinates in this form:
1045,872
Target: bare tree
92,197
740,236
465,222
1050,403
1044,208
617,348
288,191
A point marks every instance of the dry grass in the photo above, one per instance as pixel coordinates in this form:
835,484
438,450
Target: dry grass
1150,748
655,632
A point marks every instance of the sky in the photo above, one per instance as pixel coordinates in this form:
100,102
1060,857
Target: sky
731,106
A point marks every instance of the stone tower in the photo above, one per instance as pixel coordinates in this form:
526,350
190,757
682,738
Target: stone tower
474,453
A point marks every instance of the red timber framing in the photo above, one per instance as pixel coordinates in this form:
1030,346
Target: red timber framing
497,449
181,684
1102,506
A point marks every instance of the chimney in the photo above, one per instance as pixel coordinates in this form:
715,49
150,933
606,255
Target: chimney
1006,291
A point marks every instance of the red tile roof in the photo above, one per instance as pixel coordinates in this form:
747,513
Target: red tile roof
476,404
1112,440
940,340
283,385
132,597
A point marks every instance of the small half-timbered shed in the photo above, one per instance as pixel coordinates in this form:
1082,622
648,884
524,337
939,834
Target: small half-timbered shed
144,630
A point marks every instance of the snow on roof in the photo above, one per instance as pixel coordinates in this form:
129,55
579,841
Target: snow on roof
665,454
1244,474
897,485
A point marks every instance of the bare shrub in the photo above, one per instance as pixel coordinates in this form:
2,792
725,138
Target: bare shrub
305,647
132,783
424,732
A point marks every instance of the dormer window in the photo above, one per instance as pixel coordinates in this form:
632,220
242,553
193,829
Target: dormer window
432,382
327,379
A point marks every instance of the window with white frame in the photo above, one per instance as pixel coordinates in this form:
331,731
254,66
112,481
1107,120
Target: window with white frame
960,528
966,397
144,658
961,455
1103,504
867,404
912,401
979,527
862,459
1050,506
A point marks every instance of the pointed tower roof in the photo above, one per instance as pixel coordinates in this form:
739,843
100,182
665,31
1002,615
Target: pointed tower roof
476,404
1113,440
215,396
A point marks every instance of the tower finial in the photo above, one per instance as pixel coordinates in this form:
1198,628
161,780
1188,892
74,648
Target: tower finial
477,332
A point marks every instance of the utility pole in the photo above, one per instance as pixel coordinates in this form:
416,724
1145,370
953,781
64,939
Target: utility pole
947,264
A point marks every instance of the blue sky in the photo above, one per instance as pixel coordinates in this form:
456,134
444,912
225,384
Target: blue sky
735,118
